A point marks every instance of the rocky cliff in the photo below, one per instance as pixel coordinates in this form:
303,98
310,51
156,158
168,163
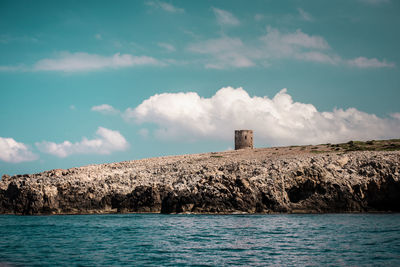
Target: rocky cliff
325,178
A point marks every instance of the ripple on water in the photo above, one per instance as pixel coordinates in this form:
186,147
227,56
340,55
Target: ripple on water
151,239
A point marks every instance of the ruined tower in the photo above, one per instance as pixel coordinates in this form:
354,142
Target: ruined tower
243,139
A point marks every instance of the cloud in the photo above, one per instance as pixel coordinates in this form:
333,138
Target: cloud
98,36
276,121
229,52
168,47
72,62
318,57
293,40
304,15
225,18
105,109
107,141
259,17
19,68
297,45
363,62
165,6
220,53
224,52
375,2
7,39
14,152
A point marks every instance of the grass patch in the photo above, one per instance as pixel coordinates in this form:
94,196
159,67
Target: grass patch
317,151
372,145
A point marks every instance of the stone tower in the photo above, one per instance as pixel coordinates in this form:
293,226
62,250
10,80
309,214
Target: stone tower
243,139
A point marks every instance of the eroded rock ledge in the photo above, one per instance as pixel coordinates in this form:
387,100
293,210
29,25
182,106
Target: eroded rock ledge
253,181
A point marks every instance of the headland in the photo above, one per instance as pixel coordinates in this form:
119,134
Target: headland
349,177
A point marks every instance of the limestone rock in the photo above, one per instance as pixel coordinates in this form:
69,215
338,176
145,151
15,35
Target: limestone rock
251,181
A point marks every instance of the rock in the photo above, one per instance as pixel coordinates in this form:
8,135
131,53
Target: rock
332,167
243,181
343,161
5,177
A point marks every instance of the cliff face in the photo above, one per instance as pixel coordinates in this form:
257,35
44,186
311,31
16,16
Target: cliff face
253,181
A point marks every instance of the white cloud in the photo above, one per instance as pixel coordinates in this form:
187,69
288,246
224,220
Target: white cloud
98,36
165,6
72,107
105,109
292,41
14,152
316,56
304,15
276,121
224,53
72,62
107,141
363,62
166,46
229,52
225,18
220,53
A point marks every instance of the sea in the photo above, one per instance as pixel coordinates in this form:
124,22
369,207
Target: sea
200,240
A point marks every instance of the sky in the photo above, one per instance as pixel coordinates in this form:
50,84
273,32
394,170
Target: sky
89,82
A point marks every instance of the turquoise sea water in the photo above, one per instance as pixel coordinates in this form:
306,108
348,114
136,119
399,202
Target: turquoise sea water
152,239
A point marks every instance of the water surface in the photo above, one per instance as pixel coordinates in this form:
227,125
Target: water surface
153,239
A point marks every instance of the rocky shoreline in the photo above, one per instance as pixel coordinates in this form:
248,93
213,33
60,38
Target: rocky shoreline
308,179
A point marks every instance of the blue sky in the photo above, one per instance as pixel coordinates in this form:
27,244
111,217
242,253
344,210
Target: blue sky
86,82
